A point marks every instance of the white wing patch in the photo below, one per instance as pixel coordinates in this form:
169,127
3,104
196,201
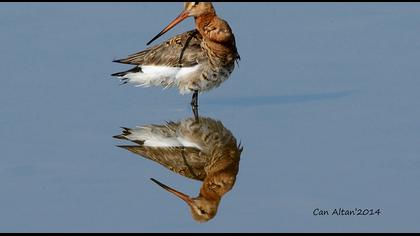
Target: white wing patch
188,143
152,138
161,75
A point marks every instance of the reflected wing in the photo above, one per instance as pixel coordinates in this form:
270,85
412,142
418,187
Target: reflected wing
185,161
182,50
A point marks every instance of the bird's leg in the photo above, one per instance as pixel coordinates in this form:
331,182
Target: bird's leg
194,105
195,112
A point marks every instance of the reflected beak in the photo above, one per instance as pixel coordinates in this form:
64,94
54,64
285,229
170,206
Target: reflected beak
184,197
181,17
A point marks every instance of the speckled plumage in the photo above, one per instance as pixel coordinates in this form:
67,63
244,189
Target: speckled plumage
212,156
209,51
183,50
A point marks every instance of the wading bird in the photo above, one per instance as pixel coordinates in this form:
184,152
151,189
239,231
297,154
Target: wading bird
195,61
204,151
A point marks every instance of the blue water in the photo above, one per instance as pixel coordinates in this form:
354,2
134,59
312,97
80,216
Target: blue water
325,102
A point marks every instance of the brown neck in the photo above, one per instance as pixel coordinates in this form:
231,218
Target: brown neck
209,194
217,36
204,20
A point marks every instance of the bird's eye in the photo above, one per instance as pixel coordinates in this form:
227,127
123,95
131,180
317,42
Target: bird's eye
203,212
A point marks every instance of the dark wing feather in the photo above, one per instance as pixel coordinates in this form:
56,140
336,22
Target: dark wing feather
181,50
184,161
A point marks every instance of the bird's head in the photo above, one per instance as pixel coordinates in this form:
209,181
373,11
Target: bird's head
191,9
197,9
202,209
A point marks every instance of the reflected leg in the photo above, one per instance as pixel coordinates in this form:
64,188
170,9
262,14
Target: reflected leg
194,105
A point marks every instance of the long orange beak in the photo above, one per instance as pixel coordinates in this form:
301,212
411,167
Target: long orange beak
184,197
181,17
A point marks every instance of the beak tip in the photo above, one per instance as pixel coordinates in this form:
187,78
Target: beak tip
181,195
153,39
159,183
180,18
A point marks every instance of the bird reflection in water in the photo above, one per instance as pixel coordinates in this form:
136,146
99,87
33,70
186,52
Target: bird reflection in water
199,148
